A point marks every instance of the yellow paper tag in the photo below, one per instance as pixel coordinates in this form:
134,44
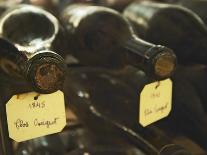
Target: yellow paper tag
155,102
32,115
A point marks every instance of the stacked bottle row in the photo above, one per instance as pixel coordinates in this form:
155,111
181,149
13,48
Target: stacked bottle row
102,59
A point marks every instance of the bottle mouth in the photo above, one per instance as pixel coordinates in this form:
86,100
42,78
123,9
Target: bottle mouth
164,63
30,38
46,72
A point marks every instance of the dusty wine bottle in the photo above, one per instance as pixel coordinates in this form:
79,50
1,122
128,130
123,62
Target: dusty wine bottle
27,51
173,26
101,36
89,90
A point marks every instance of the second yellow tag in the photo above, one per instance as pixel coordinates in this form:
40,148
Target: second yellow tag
155,102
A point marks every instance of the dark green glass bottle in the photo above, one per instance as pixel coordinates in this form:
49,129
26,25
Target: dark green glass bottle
99,36
171,25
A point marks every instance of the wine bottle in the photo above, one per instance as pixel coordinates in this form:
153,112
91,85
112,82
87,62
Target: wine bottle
197,6
109,106
173,26
28,51
102,37
47,145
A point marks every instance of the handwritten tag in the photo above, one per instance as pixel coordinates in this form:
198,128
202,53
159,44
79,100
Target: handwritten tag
33,115
155,102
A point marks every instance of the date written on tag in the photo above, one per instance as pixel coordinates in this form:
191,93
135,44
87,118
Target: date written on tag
155,102
32,115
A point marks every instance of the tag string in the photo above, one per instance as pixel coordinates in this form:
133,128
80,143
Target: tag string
36,97
158,84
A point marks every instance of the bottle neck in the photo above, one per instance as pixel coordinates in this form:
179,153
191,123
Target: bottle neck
157,61
138,47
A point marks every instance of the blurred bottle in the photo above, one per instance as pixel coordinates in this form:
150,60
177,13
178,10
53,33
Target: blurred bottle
56,6
79,139
115,4
166,1
108,150
110,107
172,26
47,145
100,36
197,6
77,136
28,50
196,75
